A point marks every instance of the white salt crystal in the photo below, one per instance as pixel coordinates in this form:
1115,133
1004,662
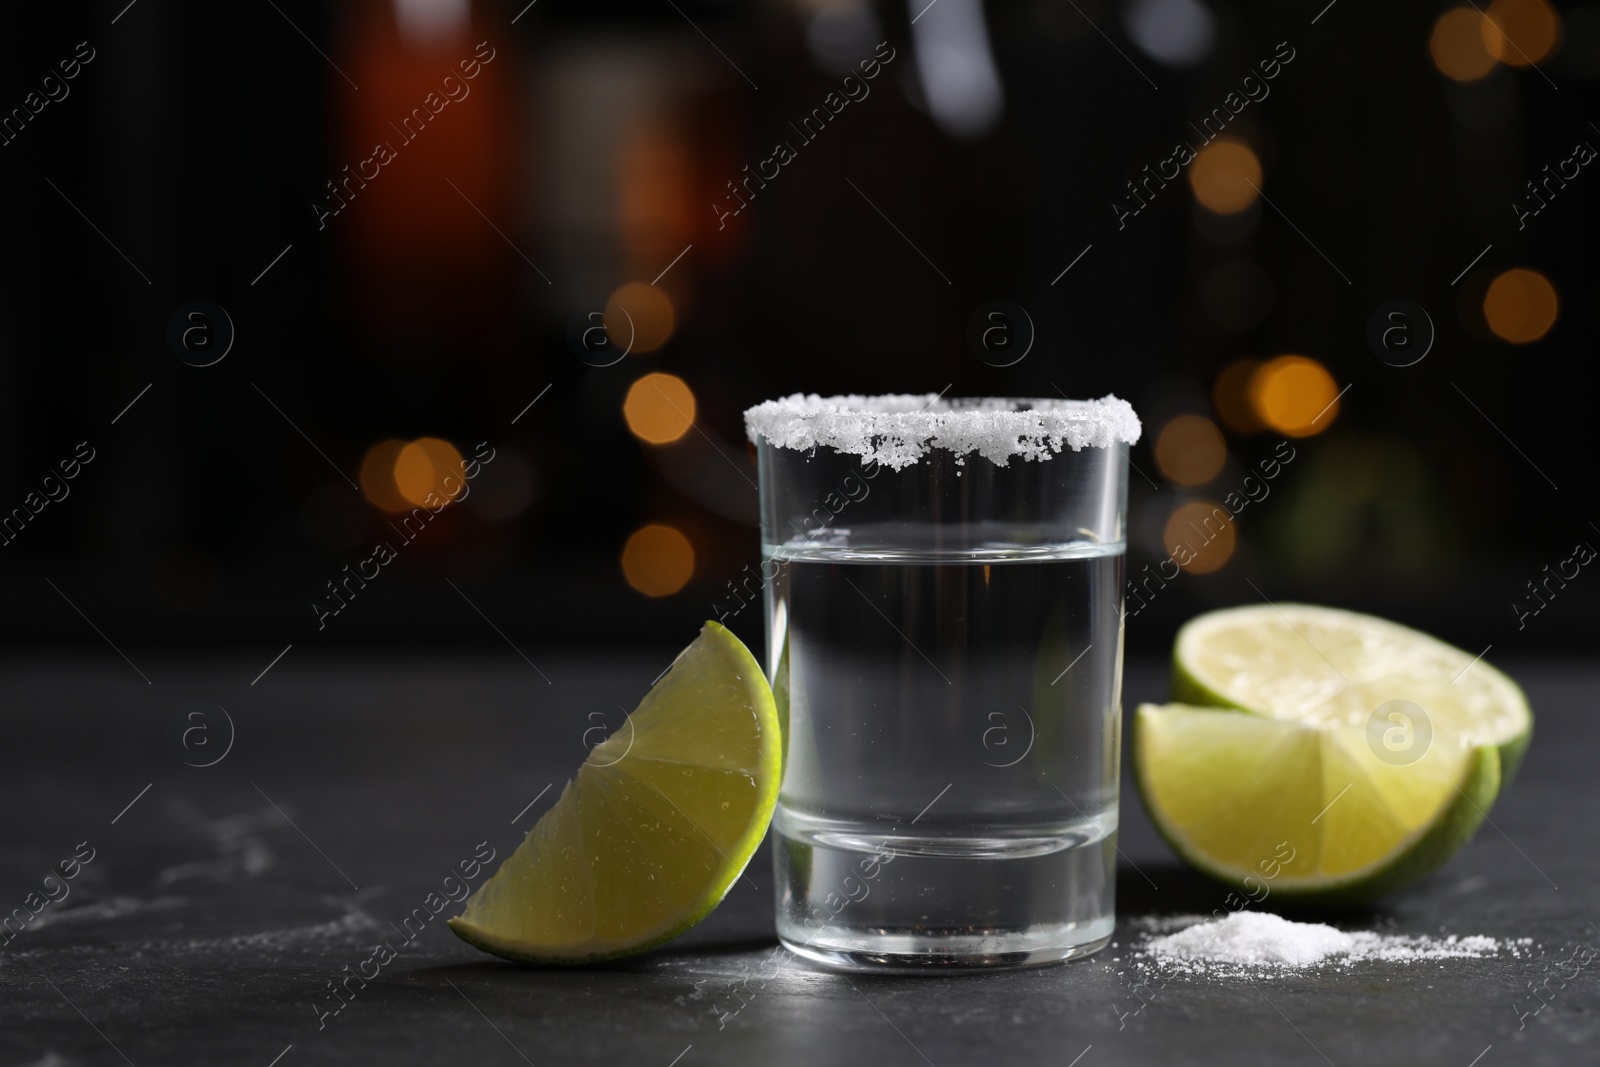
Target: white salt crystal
1247,943
898,430
1255,937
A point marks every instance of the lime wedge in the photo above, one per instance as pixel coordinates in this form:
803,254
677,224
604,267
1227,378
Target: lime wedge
1301,813
1327,667
656,827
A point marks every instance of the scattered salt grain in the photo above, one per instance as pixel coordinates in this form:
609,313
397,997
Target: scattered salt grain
1252,944
898,430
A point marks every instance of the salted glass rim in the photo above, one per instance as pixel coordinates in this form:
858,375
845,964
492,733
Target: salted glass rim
899,429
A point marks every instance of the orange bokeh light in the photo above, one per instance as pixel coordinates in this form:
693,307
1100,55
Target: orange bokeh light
639,317
1225,177
1200,536
421,468
1190,450
659,408
1519,33
1230,396
1294,395
377,475
1521,306
1459,44
658,560
399,475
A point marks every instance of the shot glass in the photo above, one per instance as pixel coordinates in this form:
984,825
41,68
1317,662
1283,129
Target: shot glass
944,638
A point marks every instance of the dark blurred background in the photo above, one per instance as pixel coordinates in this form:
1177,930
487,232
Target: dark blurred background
430,224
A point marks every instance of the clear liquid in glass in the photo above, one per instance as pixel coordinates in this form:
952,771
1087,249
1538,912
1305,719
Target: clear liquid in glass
950,792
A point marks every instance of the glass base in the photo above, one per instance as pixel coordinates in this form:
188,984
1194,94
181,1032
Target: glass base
932,953
853,896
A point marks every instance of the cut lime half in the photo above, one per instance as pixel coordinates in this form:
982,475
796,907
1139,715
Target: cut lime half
655,829
1327,667
1304,814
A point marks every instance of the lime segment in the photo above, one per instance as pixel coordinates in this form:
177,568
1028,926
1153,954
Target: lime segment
655,829
1310,813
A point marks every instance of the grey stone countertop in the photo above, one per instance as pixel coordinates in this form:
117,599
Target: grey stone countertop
218,902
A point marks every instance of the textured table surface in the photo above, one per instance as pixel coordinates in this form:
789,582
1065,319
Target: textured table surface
220,904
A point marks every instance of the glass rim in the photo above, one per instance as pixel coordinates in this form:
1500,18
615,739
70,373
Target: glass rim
899,429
